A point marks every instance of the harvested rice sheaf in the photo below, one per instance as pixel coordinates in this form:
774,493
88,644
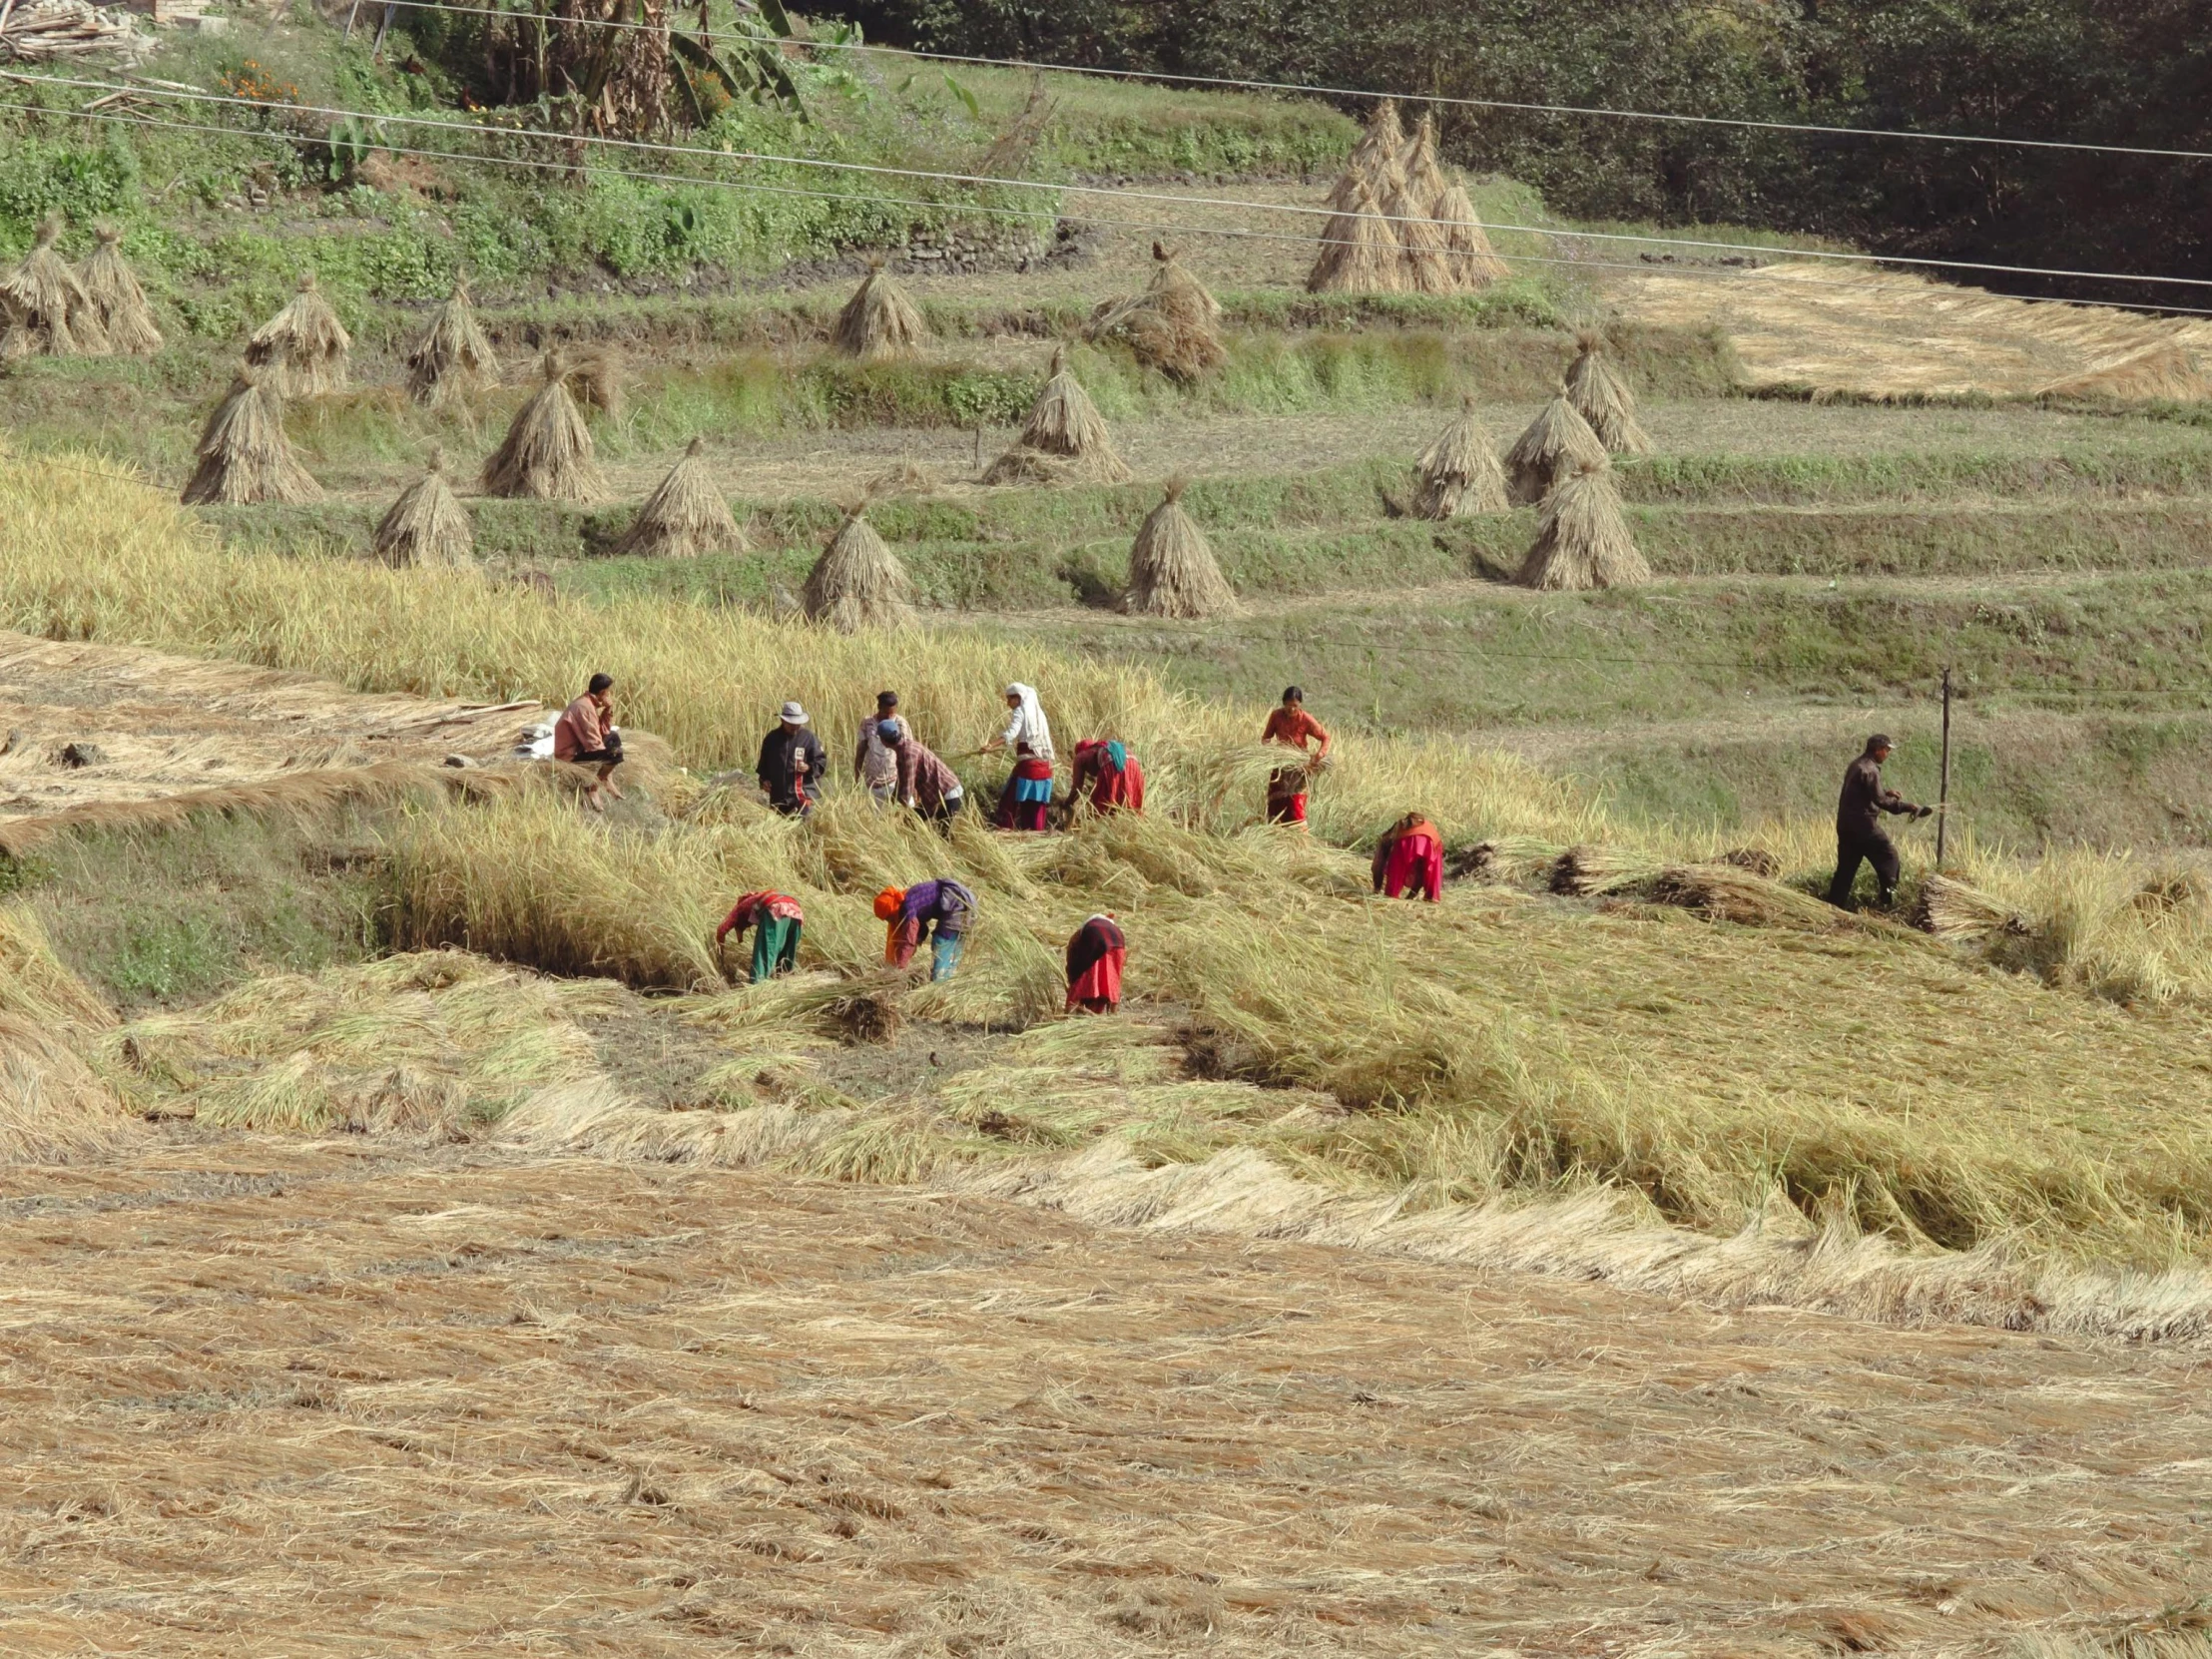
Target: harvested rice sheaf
548,452
1172,571
858,582
304,348
427,525
684,515
879,321
243,456
1460,473
454,355
1064,440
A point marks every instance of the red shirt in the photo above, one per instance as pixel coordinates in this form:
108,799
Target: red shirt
579,731
748,911
1293,727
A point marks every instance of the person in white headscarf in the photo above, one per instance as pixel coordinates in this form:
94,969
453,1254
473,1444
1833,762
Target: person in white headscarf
1026,801
1027,731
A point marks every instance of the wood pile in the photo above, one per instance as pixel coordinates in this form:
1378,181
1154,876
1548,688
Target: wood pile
50,31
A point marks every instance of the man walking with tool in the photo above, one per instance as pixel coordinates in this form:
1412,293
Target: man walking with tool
1859,834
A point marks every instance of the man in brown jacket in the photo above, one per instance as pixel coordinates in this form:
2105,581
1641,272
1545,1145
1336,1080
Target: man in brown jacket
1859,836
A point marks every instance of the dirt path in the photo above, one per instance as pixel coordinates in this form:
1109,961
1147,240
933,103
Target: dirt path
274,1398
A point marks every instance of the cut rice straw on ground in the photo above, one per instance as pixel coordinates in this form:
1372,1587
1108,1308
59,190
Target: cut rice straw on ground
548,452
427,525
1460,473
305,347
454,357
1557,442
243,456
44,308
1172,571
1063,440
684,515
117,300
1584,540
879,322
1602,399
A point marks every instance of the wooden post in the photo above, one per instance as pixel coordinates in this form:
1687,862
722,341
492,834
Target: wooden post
1942,787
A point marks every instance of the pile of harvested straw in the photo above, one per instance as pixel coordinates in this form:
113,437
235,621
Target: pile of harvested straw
1584,872
426,525
304,346
684,515
595,380
1401,223
1460,474
1557,441
117,299
1726,891
878,320
858,582
548,453
1171,327
454,356
1063,440
244,453
44,308
1583,541
1602,399
2165,373
1171,569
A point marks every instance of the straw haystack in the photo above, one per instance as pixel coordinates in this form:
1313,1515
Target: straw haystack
1171,325
1557,441
1602,399
44,308
1460,474
2162,374
1412,207
117,299
1359,252
454,357
1583,541
596,374
1063,440
684,515
1171,569
1382,142
548,454
1474,263
304,346
879,322
858,582
427,525
244,454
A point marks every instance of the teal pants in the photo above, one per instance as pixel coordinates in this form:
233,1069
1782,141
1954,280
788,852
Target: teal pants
944,956
774,947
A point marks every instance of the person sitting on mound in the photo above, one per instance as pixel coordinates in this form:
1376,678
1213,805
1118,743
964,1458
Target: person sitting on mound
777,921
1105,767
1410,859
584,736
1095,959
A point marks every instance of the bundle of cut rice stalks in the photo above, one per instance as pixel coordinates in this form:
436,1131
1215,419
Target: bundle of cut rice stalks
1063,440
1169,326
879,322
1359,252
1587,871
1584,540
427,525
1380,143
684,515
1730,892
1953,911
548,451
304,346
454,355
1557,442
2165,373
1602,399
244,453
1474,263
1171,569
1460,474
1412,208
858,582
44,308
117,299
595,380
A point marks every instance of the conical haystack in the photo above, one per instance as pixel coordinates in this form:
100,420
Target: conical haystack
1429,268
1460,474
427,525
1382,140
45,309
684,515
879,322
1474,263
303,346
117,299
1170,325
858,582
1602,399
1171,569
548,452
1063,440
244,453
1583,541
595,379
454,356
1359,252
1557,441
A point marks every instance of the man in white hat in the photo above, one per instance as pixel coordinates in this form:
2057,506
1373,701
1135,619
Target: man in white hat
792,769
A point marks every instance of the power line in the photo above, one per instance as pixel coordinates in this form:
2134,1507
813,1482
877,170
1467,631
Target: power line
1238,83
1122,193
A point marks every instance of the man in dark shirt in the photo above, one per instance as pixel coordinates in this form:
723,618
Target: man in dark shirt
791,768
1859,836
